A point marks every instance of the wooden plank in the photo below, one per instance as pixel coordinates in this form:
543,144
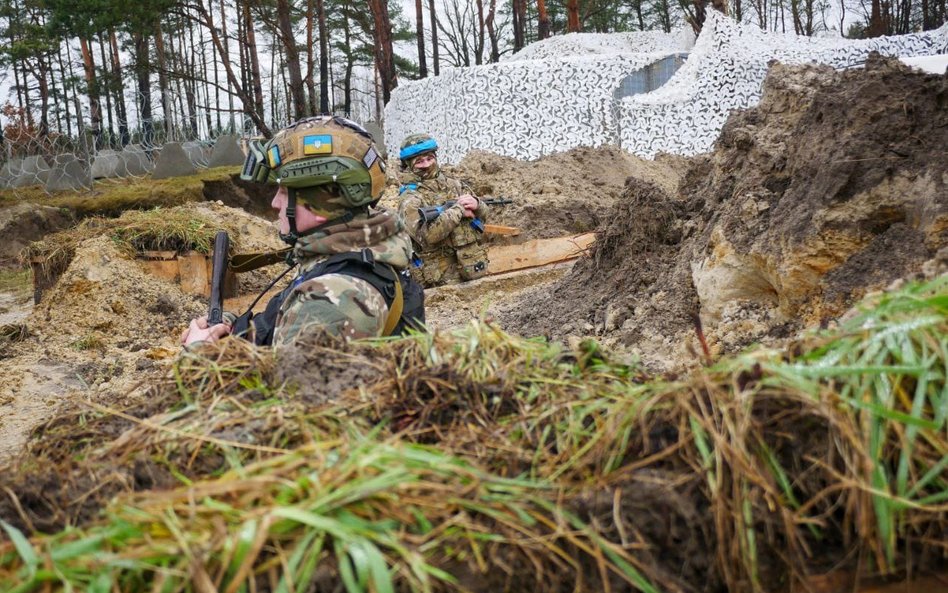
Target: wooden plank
195,277
499,229
164,269
538,252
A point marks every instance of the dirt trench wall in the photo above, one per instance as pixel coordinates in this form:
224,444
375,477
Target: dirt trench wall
834,186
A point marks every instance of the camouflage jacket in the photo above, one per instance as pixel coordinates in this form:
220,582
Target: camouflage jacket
436,242
340,304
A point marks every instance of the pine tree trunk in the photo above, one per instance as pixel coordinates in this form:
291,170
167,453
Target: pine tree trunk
572,16
543,28
163,80
225,58
255,80
479,49
492,32
95,111
324,98
119,90
517,25
142,72
350,64
420,34
433,22
292,59
384,58
108,91
311,101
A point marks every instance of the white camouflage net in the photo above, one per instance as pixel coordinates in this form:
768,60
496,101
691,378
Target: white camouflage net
527,108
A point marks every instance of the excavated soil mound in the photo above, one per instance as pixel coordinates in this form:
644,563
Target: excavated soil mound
108,325
833,186
561,194
25,222
564,193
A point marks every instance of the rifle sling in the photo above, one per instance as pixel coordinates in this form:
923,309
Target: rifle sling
246,262
396,308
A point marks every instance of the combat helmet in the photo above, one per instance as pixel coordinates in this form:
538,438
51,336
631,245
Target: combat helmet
415,145
326,162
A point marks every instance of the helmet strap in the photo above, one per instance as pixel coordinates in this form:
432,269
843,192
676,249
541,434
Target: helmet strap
293,236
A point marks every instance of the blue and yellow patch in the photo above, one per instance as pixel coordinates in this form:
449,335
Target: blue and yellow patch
318,144
273,155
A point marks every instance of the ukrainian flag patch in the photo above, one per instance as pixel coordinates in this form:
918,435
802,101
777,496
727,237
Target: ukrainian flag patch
273,155
320,144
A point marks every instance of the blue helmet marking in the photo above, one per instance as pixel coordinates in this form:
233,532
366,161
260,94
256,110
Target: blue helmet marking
416,149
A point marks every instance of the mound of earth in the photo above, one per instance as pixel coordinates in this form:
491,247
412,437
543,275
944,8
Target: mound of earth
107,325
25,222
561,194
833,186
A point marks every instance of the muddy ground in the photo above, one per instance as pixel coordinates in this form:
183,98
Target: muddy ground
834,186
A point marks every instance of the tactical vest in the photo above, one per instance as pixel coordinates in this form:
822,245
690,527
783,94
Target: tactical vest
358,264
461,256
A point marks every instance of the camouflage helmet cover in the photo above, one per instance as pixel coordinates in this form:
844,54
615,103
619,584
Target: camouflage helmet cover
318,153
416,144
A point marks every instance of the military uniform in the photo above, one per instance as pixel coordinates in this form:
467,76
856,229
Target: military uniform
352,280
447,249
342,304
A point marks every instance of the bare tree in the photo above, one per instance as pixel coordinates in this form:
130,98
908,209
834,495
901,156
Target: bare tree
457,28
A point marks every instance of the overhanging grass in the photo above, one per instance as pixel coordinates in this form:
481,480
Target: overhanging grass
178,229
827,453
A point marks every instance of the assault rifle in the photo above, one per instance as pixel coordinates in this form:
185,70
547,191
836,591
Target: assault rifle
431,213
215,313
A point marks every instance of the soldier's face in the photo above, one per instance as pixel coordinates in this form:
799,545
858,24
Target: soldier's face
424,162
305,220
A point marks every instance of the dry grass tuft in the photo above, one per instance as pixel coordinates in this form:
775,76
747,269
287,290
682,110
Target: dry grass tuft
480,461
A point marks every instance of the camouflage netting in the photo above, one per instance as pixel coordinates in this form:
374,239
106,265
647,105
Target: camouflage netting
834,186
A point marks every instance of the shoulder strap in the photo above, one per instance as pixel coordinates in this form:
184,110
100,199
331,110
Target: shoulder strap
395,309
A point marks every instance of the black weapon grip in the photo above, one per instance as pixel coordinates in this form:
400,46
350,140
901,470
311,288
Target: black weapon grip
215,313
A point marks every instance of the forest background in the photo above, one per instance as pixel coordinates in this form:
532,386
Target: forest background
86,75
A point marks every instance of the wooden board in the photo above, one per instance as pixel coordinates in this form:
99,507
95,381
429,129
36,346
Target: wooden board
194,274
499,229
162,268
539,252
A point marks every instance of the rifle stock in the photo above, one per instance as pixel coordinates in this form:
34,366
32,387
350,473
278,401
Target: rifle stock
215,312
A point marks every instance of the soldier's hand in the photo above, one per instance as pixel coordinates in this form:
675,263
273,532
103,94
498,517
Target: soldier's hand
469,203
198,331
